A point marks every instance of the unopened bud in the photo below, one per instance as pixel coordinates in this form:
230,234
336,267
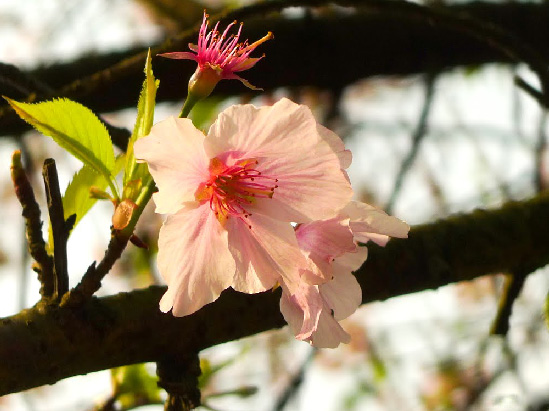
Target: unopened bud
203,81
123,214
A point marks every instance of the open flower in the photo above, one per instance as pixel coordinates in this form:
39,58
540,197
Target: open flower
329,292
219,56
231,197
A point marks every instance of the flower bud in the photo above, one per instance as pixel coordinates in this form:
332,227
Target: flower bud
123,214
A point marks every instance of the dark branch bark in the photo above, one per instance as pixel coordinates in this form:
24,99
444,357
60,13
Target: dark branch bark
322,50
43,345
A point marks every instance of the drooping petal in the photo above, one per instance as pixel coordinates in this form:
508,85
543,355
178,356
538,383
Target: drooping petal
175,154
194,259
310,318
329,333
371,223
301,308
343,295
264,253
285,141
323,241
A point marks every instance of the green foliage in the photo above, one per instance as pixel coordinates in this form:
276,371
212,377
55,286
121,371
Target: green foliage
77,199
145,115
75,128
133,385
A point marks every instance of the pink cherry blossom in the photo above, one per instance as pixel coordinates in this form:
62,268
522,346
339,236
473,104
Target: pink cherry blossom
220,55
328,292
231,196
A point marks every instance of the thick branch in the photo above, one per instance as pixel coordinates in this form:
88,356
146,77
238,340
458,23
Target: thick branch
42,346
323,50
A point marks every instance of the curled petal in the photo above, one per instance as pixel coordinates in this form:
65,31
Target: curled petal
371,223
194,259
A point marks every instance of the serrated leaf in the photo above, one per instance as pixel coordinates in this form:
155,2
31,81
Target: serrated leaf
77,199
74,127
143,123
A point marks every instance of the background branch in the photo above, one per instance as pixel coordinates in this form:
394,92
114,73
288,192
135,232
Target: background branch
129,328
380,41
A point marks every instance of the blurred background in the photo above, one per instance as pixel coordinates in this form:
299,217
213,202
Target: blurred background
429,138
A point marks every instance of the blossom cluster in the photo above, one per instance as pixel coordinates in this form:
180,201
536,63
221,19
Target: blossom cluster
262,200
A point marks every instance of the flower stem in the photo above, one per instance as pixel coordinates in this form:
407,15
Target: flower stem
190,101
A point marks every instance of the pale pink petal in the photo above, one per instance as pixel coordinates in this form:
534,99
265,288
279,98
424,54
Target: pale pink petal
291,312
326,238
371,223
343,295
323,241
265,131
194,259
285,141
301,308
175,154
350,262
264,253
345,156
329,333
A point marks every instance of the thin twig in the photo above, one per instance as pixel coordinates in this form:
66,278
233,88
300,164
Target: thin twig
91,280
295,383
539,154
58,228
511,290
33,223
417,138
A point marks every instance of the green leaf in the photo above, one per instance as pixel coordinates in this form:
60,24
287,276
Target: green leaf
143,124
74,127
77,199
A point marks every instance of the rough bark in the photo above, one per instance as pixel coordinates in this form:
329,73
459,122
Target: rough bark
45,344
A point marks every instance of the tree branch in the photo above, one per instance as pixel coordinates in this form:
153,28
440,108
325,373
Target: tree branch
43,345
378,41
33,227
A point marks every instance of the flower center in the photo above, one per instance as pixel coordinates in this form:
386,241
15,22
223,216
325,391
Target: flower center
230,189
